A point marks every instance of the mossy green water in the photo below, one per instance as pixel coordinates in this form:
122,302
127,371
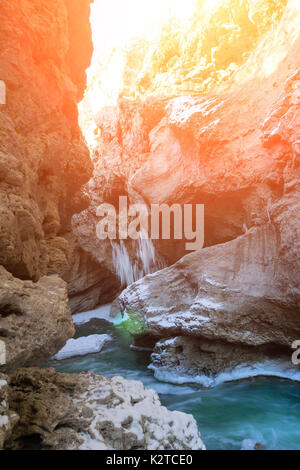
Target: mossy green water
132,325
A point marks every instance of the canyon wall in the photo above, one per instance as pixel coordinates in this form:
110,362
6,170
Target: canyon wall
44,161
43,164
236,151
45,50
173,136
234,147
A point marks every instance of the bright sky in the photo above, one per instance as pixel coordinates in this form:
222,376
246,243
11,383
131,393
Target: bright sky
120,20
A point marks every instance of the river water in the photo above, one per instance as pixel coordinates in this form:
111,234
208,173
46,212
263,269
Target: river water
230,415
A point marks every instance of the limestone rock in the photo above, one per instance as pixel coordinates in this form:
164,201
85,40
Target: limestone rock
43,159
35,319
90,283
241,292
194,360
86,411
8,418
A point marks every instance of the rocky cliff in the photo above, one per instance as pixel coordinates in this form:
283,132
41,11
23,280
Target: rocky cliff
45,50
230,142
90,412
44,162
236,151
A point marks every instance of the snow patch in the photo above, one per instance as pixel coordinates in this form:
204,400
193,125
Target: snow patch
82,346
208,303
3,383
101,313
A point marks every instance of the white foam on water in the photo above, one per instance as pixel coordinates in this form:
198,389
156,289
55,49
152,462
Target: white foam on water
133,347
82,346
180,379
250,444
101,313
268,368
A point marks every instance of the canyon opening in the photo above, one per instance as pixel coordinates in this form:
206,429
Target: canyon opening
149,227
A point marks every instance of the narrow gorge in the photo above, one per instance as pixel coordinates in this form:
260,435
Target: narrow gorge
133,343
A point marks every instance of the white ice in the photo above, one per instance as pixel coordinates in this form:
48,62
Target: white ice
101,313
82,346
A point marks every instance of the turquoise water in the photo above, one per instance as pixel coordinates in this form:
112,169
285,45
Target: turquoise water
264,410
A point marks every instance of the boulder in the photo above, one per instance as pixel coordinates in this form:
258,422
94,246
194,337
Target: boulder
35,319
206,363
242,292
89,412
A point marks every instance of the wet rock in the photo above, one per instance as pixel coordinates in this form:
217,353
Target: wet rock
240,292
35,319
8,418
194,360
86,411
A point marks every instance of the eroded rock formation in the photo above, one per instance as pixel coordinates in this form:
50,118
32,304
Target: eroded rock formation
35,319
207,363
236,151
44,161
86,411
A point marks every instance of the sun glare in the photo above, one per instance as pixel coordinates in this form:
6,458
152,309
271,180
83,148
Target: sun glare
115,22
171,46
114,25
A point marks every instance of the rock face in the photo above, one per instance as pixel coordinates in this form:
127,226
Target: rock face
238,153
8,418
241,292
43,159
86,411
197,357
90,283
35,319
233,149
207,363
41,142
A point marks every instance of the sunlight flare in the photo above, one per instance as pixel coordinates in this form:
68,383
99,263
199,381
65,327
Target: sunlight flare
172,47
